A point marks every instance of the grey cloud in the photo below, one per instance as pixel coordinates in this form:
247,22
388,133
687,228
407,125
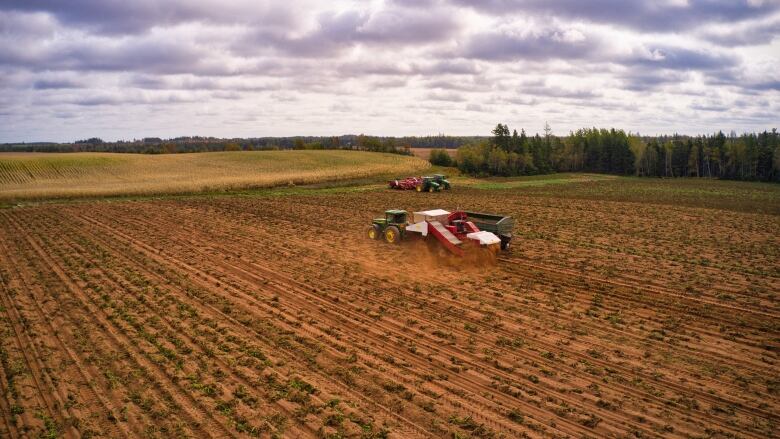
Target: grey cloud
771,84
548,44
638,14
445,96
552,91
190,82
54,84
136,16
336,32
459,85
477,108
119,99
390,68
750,34
641,79
678,58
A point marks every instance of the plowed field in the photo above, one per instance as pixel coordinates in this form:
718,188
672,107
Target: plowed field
273,315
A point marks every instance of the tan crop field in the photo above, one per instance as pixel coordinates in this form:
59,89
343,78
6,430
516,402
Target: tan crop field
48,175
425,153
626,308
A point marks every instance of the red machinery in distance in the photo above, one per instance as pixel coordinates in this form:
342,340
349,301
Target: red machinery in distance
407,184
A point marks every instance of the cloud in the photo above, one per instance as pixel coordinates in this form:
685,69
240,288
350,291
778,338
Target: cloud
445,96
447,64
55,84
679,58
138,16
642,80
554,91
543,45
646,15
747,34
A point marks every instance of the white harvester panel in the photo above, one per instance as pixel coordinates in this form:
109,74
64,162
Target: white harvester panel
421,227
484,238
439,215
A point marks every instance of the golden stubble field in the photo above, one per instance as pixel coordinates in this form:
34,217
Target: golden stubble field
25,176
627,308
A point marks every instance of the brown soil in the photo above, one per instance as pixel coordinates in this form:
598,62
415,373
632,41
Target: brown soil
240,317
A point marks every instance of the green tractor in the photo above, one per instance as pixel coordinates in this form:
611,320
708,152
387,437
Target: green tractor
434,183
442,181
392,227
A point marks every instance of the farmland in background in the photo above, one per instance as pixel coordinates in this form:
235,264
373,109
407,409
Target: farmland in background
627,308
52,175
425,153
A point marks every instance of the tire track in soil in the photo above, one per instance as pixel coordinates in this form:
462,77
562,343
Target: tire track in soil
114,429
305,304
632,297
243,327
191,342
687,389
718,356
678,388
193,410
48,394
151,252
660,403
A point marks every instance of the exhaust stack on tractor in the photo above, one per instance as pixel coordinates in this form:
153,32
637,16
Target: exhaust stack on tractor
455,231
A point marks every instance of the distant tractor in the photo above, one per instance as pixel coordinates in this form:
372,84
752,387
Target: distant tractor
405,184
455,231
442,181
434,183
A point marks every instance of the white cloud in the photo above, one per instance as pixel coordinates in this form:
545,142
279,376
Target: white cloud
246,68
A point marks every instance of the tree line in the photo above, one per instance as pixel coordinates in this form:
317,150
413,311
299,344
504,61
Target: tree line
188,144
750,156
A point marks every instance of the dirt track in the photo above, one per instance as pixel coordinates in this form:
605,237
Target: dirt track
252,316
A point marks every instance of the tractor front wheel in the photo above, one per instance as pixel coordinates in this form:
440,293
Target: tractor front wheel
374,232
431,189
392,235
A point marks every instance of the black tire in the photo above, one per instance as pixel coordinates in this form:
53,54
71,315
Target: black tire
505,243
392,235
377,232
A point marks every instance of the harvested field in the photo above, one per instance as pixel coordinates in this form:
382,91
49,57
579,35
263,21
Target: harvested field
425,153
26,176
619,312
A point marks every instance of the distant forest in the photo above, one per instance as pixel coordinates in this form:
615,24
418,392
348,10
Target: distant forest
155,145
749,156
744,157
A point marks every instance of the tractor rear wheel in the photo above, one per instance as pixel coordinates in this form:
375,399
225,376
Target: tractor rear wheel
392,235
419,188
374,232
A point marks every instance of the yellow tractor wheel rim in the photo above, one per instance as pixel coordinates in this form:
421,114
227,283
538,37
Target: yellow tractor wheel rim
390,235
372,233
419,188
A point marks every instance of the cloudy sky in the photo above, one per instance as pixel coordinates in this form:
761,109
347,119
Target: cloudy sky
122,69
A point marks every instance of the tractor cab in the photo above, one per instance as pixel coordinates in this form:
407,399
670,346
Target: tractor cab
391,227
395,217
441,180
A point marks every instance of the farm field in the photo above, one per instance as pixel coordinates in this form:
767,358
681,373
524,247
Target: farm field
26,176
425,153
626,308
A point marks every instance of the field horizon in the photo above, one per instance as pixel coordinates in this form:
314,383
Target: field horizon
30,176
